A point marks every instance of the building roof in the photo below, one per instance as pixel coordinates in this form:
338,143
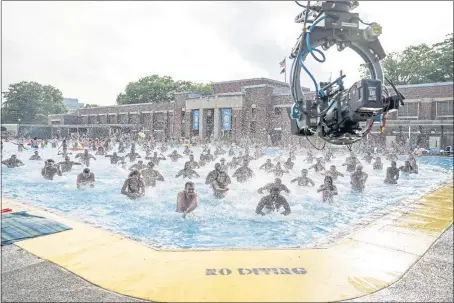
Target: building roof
237,85
426,90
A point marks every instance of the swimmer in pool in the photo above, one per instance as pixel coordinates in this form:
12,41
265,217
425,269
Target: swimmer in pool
50,170
187,172
67,165
187,151
378,165
156,159
219,181
406,168
138,166
114,158
277,183
64,153
244,173
310,157
100,151
289,164
35,156
85,178
174,156
328,189
133,187
273,202
150,176
208,156
234,163
132,155
303,180
85,157
392,174
318,166
368,158
358,179
351,162
187,200
192,163
279,171
267,166
13,162
332,172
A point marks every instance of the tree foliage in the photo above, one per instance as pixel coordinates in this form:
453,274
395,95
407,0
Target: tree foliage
418,64
31,102
158,89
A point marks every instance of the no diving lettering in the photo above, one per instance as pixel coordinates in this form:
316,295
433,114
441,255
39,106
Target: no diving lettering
255,271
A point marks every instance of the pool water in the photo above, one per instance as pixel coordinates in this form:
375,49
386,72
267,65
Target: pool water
227,223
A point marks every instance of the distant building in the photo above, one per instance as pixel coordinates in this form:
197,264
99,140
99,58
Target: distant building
72,104
259,109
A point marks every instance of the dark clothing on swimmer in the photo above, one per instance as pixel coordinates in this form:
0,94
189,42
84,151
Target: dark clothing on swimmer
272,203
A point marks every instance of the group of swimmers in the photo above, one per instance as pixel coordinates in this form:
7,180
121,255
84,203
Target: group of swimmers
144,175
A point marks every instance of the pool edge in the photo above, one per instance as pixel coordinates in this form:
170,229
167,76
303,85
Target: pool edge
366,261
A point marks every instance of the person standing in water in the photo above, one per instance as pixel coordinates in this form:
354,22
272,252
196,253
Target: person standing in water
187,200
156,159
133,187
85,178
244,173
138,166
219,180
13,162
150,176
358,179
187,172
50,170
35,156
328,189
267,166
277,183
174,156
378,165
85,157
273,202
67,165
392,174
303,180
333,173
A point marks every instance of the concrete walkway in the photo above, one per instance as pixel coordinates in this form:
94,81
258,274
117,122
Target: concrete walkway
27,278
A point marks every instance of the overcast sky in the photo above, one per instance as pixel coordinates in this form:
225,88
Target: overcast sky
91,50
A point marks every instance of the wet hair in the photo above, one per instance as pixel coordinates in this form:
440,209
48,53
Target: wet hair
278,180
86,170
274,188
304,170
393,162
151,164
189,183
133,173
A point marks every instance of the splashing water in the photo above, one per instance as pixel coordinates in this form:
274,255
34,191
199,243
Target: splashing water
216,223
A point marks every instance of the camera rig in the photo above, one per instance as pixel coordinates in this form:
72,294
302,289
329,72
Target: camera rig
335,113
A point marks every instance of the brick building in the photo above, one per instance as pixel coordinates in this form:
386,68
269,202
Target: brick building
256,108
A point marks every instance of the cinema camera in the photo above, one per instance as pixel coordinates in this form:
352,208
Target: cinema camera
335,113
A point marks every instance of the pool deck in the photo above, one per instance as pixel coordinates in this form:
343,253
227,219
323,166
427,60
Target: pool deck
367,261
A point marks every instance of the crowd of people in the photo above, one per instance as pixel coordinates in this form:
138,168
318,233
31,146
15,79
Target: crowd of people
144,173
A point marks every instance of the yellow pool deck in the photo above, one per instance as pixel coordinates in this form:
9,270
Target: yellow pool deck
366,261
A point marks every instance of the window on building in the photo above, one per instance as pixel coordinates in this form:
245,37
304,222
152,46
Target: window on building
253,112
98,119
444,109
409,111
277,110
57,122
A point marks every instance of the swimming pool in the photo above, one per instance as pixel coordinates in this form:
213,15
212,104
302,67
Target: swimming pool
227,223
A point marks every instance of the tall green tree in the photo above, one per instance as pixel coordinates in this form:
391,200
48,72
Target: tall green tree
157,89
31,102
418,64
